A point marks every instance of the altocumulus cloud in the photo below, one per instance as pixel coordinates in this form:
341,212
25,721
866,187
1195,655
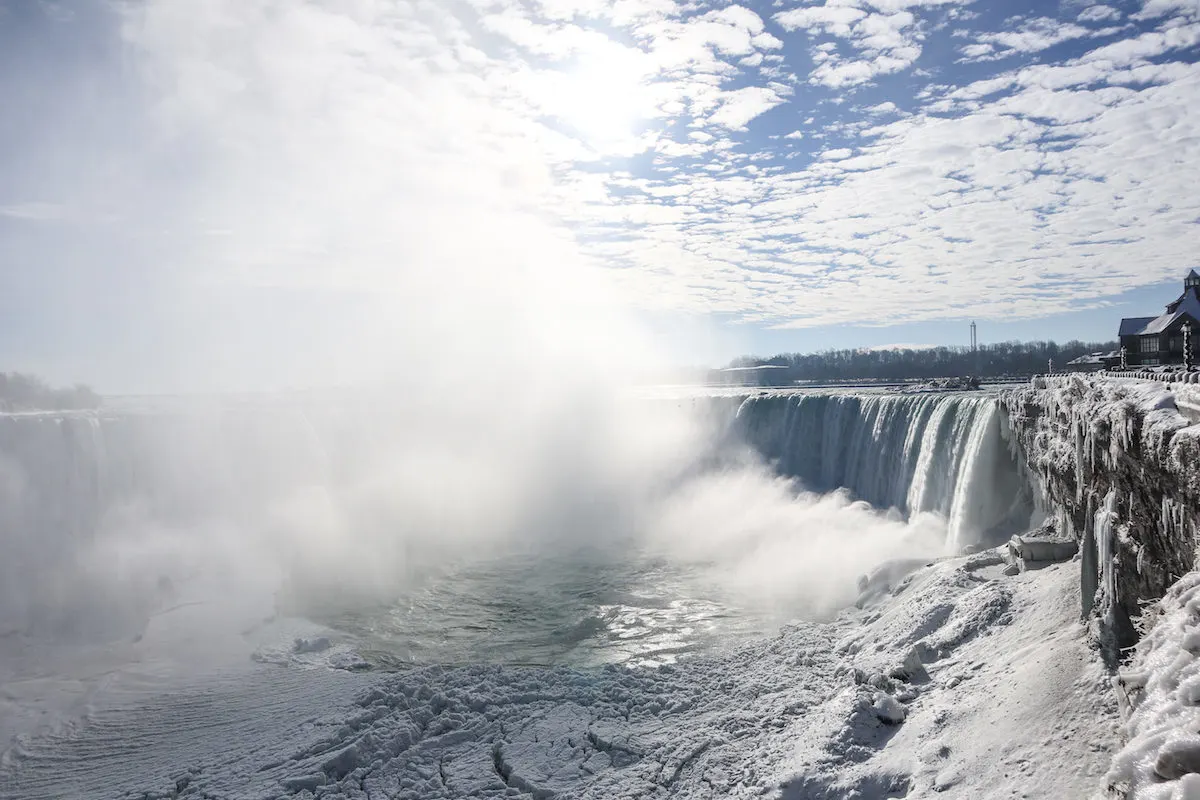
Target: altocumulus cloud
779,163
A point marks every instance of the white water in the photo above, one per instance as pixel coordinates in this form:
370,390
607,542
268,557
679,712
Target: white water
940,453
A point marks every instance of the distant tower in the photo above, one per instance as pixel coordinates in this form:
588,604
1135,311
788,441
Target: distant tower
975,347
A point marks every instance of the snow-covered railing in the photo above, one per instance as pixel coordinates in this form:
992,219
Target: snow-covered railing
1186,400
1147,375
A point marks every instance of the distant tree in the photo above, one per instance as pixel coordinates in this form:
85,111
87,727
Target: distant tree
23,392
1003,359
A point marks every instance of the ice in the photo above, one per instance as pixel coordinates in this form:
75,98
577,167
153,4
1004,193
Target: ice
1118,464
1160,690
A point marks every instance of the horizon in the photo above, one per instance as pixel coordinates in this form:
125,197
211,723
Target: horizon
245,196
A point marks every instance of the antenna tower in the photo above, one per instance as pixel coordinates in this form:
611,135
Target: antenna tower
975,346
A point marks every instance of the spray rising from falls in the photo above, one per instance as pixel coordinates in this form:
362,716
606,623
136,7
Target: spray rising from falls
373,519
941,453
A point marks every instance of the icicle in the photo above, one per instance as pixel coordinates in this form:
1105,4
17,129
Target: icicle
1105,531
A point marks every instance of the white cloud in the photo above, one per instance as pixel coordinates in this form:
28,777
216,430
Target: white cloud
835,20
897,346
1034,35
765,41
32,211
355,146
885,41
836,154
738,107
1099,14
1147,45
1154,9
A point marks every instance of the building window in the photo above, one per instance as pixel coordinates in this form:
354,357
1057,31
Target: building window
1148,344
1176,345
1150,362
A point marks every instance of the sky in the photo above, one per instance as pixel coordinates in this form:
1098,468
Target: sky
259,193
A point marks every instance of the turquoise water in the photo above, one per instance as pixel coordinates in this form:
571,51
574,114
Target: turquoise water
579,608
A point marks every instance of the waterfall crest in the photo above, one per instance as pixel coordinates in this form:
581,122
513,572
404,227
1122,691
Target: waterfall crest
940,453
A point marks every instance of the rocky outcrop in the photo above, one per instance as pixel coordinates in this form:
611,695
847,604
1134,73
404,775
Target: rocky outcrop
1118,468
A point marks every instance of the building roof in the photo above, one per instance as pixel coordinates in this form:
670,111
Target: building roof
1187,305
1094,358
1131,326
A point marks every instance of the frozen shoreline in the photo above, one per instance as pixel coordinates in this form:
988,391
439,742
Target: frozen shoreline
1015,702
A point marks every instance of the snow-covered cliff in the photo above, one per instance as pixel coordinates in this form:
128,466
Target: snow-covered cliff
1118,465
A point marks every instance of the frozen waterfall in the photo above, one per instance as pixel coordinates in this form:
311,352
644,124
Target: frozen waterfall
941,453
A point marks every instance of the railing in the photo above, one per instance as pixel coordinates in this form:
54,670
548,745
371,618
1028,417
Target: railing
1188,402
1147,375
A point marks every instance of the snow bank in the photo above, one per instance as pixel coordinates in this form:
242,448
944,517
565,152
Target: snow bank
1160,691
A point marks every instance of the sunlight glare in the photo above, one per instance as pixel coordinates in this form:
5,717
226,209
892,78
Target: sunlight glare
605,99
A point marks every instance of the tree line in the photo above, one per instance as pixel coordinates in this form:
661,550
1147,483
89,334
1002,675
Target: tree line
22,392
1004,359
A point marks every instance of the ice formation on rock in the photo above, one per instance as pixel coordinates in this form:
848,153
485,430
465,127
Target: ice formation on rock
1160,693
1120,467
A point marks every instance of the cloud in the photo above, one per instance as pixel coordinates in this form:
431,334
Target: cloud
834,20
897,346
1033,35
1027,193
883,42
740,106
837,155
600,158
1155,9
1099,14
32,211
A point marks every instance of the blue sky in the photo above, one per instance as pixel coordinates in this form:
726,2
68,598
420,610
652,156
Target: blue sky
255,193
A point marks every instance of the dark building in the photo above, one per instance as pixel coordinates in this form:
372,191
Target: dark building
1150,341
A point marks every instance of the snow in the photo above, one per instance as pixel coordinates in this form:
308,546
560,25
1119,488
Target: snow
1120,465
950,679
1161,691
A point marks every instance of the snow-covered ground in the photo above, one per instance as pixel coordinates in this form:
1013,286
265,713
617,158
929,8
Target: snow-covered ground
993,692
1161,690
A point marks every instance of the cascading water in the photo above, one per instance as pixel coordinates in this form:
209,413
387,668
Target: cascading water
940,453
68,481
343,498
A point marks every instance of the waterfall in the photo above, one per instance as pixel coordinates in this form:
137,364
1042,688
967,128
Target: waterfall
67,479
71,484
941,453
